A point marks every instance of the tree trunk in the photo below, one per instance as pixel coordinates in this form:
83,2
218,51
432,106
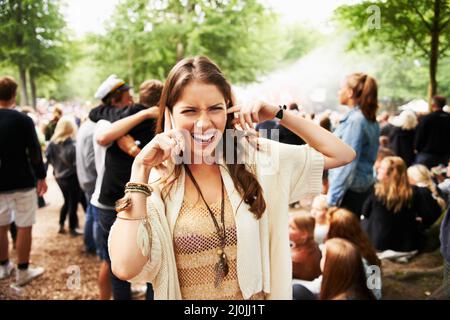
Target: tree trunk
23,86
434,53
33,90
20,62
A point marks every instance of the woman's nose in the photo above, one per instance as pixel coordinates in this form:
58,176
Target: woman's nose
203,122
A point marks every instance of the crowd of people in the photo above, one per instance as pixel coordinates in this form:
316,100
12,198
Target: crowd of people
205,230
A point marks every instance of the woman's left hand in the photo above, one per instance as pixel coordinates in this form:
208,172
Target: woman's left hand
254,113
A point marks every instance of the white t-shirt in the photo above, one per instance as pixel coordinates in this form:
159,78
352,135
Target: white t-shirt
100,155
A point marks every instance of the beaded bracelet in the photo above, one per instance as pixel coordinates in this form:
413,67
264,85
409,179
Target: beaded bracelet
139,187
124,204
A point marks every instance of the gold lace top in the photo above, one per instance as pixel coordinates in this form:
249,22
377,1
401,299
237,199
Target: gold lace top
196,243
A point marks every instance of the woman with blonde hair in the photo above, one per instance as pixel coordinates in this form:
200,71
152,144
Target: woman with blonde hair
343,277
401,137
420,176
394,213
216,227
350,185
61,155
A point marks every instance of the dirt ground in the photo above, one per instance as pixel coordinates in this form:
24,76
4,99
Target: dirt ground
70,274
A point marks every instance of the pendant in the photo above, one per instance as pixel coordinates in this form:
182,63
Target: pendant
221,268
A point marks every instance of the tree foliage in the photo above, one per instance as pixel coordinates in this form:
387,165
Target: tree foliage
145,38
33,39
409,28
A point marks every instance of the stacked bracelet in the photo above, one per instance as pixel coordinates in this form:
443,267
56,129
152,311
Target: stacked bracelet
124,204
139,187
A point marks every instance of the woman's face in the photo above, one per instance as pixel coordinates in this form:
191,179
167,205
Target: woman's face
382,170
201,112
345,94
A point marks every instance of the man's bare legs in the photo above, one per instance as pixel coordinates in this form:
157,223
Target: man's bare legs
4,250
23,244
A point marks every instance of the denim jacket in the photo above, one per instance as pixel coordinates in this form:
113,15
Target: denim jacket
363,136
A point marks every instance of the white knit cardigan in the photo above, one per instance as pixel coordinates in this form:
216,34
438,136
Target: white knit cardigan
286,174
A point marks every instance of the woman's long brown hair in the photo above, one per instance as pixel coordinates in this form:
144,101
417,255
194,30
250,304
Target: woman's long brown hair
365,93
394,191
345,225
203,70
343,272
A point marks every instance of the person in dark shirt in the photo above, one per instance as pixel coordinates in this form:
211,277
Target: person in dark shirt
61,155
287,136
432,143
401,137
51,126
22,179
396,214
136,124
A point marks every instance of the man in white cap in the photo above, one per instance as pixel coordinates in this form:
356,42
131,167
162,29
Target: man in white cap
114,92
113,164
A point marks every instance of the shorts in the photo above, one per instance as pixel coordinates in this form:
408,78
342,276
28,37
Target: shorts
20,207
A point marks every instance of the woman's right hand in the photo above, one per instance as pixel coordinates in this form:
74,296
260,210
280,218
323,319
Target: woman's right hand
162,147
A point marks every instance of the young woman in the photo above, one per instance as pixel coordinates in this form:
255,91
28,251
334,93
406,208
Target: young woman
343,272
351,185
304,251
61,155
420,176
345,225
215,230
394,214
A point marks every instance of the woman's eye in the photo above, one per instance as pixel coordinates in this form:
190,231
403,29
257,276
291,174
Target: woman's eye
217,108
188,111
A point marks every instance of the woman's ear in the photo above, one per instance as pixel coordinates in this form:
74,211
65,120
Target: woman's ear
350,93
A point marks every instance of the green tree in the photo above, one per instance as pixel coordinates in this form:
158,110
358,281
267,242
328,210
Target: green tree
145,38
33,39
412,28
300,39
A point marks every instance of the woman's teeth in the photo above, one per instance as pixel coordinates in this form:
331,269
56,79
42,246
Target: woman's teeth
203,138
